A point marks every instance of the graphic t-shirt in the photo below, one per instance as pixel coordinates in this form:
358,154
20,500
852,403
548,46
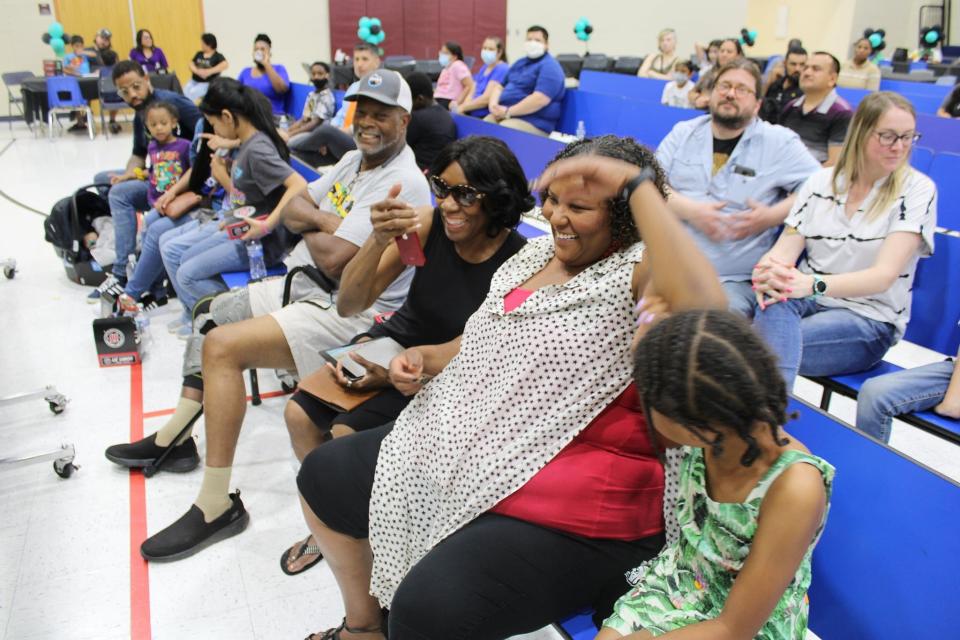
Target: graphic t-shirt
168,162
206,63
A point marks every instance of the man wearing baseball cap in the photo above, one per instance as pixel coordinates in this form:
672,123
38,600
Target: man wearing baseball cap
249,328
100,55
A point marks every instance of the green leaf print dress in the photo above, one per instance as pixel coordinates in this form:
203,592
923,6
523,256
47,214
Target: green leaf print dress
689,581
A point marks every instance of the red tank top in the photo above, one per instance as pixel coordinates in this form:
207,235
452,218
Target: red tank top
607,483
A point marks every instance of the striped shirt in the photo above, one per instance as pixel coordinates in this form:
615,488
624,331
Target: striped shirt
822,127
836,243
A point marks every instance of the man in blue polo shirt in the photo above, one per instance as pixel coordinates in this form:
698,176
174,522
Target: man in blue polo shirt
129,193
532,91
732,178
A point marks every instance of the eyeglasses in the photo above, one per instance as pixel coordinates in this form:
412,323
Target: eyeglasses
133,88
739,90
463,194
889,138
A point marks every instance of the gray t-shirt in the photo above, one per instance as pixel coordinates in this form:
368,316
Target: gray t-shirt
258,173
342,191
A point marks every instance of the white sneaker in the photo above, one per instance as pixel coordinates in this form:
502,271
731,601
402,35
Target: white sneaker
110,288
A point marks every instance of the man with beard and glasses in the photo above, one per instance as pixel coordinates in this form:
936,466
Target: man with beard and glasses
784,85
732,177
250,328
129,192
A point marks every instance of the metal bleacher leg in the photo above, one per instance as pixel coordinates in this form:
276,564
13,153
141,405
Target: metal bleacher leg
254,389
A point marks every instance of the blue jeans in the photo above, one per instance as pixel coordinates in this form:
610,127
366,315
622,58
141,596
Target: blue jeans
126,198
150,265
883,397
741,298
821,341
195,255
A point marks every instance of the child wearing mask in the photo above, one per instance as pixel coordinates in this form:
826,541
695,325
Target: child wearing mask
676,93
318,108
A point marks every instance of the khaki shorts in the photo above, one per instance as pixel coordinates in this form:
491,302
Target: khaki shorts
312,326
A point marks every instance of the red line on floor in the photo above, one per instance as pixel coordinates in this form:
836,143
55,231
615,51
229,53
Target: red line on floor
139,569
159,413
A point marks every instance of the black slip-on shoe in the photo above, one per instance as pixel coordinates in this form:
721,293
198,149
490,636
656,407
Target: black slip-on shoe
191,533
144,453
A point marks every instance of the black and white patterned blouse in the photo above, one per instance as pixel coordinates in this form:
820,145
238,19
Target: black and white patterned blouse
522,386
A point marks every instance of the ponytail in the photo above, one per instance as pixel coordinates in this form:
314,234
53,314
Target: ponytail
245,102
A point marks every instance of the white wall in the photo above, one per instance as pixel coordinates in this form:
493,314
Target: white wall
20,31
299,30
624,27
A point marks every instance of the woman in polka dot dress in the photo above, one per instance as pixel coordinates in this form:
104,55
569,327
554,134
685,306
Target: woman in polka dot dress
521,482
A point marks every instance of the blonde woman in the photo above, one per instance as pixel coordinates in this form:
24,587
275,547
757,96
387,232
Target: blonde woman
660,65
863,225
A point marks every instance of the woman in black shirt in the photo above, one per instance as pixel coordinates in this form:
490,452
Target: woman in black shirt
481,193
207,64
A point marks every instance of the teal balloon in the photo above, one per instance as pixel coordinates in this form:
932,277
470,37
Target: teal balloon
931,37
381,36
581,23
363,33
753,35
55,30
875,40
375,21
582,36
364,22
58,45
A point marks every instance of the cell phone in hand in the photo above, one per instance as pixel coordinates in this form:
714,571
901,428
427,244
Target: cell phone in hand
411,253
237,222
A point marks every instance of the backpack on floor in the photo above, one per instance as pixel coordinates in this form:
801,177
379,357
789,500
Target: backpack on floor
64,228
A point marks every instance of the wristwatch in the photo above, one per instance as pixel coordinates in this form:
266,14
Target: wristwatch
819,287
647,173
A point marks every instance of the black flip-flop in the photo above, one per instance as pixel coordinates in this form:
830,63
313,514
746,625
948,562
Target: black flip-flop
300,549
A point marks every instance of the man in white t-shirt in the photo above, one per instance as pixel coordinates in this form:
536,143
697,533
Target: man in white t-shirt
252,328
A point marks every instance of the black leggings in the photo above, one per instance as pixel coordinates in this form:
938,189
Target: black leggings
495,577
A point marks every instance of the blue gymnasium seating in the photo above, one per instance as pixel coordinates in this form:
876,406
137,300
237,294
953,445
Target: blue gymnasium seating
920,159
293,101
534,152
945,172
939,134
617,84
885,566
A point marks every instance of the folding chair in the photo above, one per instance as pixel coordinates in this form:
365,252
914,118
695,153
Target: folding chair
110,100
13,80
63,96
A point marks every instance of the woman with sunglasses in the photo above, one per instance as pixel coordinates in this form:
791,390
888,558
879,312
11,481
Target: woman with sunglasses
481,192
521,482
861,227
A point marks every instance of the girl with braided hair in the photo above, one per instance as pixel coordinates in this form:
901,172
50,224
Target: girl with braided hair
749,513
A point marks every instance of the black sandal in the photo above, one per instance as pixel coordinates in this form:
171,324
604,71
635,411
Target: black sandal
298,551
334,634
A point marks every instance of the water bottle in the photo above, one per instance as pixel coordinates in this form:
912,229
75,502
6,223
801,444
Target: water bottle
131,266
142,321
258,270
581,130
284,123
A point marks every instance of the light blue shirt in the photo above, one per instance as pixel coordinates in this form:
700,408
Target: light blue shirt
775,156
341,114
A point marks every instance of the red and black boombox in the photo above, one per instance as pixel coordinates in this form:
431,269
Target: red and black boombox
118,341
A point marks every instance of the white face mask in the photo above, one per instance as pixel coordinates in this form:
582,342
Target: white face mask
679,77
534,49
488,57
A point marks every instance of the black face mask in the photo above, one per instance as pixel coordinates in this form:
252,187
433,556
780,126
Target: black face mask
320,85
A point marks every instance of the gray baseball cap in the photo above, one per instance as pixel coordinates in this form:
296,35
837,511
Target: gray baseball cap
386,86
105,33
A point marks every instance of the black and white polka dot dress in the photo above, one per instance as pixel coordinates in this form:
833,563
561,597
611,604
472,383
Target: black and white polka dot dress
523,385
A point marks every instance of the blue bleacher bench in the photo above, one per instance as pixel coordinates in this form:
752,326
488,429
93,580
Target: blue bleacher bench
533,152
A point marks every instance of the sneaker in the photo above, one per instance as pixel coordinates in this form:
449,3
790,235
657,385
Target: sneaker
184,332
191,533
136,455
78,126
115,127
149,302
109,284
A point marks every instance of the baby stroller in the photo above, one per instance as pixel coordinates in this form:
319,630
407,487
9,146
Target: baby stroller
70,219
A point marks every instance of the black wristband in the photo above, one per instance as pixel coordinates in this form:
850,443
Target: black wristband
647,173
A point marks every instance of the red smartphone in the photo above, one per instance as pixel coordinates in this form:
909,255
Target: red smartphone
411,253
237,223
